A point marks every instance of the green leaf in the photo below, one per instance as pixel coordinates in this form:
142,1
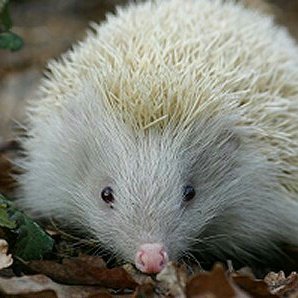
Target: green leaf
5,221
32,243
5,20
10,41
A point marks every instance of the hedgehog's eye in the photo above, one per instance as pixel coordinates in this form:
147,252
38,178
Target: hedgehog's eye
188,193
107,195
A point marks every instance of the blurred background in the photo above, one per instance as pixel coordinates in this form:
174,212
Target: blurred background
49,27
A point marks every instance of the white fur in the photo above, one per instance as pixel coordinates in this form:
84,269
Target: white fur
162,95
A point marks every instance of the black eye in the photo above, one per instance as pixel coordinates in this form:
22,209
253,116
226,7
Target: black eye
188,193
107,195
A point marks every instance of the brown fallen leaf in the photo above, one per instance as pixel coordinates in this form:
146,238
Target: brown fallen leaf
255,287
42,286
5,259
174,277
103,295
7,184
145,290
84,270
215,284
281,285
7,151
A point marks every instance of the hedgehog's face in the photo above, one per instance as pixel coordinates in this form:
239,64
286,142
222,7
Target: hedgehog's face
151,194
155,197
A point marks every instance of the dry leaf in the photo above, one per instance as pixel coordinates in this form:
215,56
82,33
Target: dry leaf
145,290
214,284
175,277
42,286
84,270
281,285
5,259
6,182
7,151
256,288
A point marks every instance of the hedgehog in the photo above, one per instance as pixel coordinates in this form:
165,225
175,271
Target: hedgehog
170,132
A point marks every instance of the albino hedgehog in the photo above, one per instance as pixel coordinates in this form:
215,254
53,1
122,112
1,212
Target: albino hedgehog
171,131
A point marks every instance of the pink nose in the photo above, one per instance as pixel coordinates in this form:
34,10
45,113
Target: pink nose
151,258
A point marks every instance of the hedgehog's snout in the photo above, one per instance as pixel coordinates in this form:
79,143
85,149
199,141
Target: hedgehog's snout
151,258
